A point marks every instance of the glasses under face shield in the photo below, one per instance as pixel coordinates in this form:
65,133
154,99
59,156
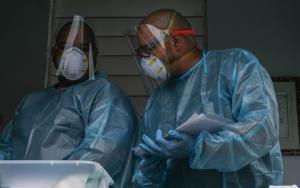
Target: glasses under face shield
150,53
145,51
152,37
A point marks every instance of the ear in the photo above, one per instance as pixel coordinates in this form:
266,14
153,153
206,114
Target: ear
177,41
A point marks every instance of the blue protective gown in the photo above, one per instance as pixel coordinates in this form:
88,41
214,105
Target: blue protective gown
93,120
232,84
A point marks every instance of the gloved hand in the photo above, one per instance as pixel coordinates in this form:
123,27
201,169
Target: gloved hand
154,168
179,145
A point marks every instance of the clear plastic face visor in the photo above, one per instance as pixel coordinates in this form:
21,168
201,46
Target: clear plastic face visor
151,40
149,51
73,51
151,48
151,37
152,52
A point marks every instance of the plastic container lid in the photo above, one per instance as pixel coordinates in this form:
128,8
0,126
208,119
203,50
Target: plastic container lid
53,174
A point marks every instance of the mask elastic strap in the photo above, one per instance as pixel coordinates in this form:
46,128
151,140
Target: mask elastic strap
204,61
170,25
178,31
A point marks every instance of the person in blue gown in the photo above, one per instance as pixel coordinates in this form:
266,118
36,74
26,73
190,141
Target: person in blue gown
81,119
229,83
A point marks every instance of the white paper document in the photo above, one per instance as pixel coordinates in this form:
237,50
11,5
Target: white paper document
203,122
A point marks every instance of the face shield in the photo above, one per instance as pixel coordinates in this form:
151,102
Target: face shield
72,51
150,52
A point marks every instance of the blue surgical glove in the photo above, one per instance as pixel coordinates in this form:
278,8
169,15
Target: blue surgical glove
153,168
151,171
178,145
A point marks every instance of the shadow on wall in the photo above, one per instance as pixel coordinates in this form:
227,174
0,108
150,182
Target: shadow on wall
1,122
23,52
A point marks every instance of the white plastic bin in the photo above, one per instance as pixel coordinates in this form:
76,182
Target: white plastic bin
53,174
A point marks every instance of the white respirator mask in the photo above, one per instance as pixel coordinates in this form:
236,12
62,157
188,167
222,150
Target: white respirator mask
154,68
73,63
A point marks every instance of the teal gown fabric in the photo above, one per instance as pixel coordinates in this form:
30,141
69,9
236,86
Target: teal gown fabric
93,120
232,84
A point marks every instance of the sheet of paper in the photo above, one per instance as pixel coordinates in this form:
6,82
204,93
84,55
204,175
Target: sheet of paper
203,122
193,126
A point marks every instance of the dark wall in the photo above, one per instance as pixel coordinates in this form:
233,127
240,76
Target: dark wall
23,37
269,28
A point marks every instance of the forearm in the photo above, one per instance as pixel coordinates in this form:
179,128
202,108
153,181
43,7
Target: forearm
230,151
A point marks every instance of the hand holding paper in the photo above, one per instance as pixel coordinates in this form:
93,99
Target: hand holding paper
178,146
203,122
178,143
